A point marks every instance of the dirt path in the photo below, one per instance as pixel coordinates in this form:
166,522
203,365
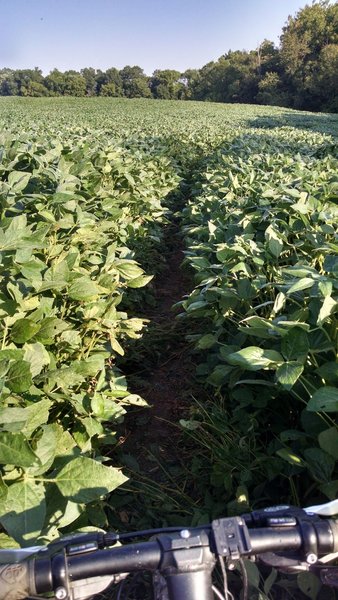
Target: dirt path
151,434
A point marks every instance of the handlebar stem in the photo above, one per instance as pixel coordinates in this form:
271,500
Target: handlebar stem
187,564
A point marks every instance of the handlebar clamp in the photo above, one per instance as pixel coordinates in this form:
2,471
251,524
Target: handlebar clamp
231,537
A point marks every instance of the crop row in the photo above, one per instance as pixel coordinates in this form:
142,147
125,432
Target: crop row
261,232
74,219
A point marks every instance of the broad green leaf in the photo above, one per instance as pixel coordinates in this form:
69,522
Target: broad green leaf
331,264
46,449
241,267
328,307
19,235
252,573
60,511
89,367
25,511
23,330
254,358
291,457
135,400
71,513
37,357
206,341
7,542
303,284
220,375
300,271
18,180
92,426
262,328
309,584
25,419
328,441
325,288
295,344
15,450
288,373
129,270
116,346
32,270
50,327
4,366
85,480
65,443
71,337
270,580
291,435
329,372
245,289
139,282
65,378
330,489
83,289
199,263
197,306
279,303
275,244
320,463
325,399
11,354
105,408
19,378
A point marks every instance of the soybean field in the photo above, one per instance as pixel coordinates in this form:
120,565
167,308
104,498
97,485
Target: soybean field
89,189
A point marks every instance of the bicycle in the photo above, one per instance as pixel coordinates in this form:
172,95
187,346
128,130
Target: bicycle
81,566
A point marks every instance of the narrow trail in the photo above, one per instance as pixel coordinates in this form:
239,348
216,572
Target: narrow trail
152,435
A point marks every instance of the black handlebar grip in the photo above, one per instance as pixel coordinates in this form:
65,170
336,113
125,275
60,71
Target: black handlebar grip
15,581
334,528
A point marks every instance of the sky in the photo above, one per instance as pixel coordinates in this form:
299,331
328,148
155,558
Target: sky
154,34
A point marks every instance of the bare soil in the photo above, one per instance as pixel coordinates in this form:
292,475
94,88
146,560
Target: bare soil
152,435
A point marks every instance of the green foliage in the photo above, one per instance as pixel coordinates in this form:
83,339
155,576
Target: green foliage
85,187
261,231
69,210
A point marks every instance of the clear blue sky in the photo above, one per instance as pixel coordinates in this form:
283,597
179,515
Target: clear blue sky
178,34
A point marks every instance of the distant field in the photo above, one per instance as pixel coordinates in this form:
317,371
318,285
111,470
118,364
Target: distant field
123,117
86,186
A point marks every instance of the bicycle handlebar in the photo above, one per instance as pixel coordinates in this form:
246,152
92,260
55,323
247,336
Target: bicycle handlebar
185,558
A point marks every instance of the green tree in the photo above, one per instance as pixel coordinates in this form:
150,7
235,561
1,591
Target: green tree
89,75
135,83
55,82
233,78
111,78
108,89
302,41
324,83
8,83
190,79
271,92
166,84
37,89
268,58
75,84
24,79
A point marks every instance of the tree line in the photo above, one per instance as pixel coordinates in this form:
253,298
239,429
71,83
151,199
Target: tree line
302,72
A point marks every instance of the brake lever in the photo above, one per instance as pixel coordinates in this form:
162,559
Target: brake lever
282,563
329,509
